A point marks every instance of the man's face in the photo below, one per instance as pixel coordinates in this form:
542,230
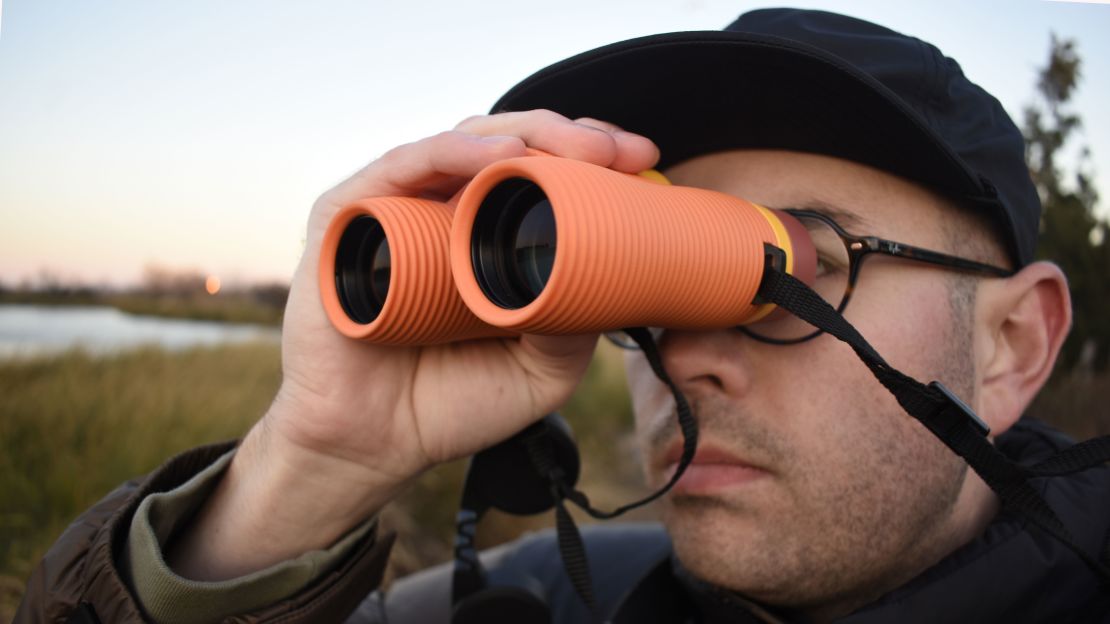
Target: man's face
812,486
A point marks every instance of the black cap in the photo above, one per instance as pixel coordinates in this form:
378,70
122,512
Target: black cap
807,81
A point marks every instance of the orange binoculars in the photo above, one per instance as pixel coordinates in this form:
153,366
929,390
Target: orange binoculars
549,245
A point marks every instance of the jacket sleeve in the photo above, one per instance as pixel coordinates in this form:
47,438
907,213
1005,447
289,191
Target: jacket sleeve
80,577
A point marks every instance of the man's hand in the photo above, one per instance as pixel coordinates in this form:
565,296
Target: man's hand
354,422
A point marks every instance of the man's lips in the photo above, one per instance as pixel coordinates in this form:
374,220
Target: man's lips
712,469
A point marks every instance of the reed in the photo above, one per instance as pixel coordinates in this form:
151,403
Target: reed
73,426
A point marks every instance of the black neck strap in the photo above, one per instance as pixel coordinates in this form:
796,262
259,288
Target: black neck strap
686,424
938,409
952,421
571,548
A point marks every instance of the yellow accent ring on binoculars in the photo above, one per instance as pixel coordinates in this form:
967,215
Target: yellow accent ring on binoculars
783,238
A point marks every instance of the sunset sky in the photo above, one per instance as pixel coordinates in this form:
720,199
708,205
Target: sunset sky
197,134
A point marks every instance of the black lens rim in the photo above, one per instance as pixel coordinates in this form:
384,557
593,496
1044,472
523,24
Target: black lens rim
492,249
354,256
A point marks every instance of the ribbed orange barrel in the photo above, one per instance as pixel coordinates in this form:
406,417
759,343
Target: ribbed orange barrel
385,275
627,251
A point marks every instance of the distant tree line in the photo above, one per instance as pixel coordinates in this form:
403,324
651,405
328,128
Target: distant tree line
1073,234
162,291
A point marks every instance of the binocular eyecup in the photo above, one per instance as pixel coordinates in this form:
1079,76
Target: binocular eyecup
362,269
513,251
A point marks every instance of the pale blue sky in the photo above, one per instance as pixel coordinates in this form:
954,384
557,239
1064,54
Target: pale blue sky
197,134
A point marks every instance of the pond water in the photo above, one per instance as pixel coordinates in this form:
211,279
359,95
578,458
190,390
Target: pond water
36,329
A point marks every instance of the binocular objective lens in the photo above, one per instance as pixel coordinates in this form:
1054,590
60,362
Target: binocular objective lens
362,269
380,272
534,246
513,243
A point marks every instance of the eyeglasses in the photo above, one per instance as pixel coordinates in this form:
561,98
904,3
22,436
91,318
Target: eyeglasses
839,258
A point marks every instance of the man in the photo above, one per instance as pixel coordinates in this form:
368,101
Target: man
813,496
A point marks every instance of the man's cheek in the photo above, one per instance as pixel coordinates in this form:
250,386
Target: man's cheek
902,319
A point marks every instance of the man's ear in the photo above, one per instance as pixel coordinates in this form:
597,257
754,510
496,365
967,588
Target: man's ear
1022,323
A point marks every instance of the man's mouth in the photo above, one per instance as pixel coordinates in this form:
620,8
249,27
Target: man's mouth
713,469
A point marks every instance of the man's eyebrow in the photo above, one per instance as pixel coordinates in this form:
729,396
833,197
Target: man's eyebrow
848,220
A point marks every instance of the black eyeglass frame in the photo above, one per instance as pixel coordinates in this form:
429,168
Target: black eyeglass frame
859,247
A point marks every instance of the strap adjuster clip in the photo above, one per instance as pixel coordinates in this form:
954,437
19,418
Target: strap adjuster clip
980,426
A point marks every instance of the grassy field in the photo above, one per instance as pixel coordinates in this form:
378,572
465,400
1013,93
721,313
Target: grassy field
74,426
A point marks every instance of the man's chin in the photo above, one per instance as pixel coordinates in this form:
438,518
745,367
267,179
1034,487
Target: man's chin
720,544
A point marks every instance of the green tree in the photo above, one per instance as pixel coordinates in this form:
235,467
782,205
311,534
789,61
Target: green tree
1072,234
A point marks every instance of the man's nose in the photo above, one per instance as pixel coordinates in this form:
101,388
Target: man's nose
706,362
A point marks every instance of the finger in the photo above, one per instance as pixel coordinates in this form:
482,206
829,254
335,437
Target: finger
430,165
556,348
634,152
547,360
558,135
599,124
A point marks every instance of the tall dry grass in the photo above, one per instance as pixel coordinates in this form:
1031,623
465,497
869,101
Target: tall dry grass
72,427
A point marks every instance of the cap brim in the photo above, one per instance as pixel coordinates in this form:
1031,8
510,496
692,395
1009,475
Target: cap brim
695,93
